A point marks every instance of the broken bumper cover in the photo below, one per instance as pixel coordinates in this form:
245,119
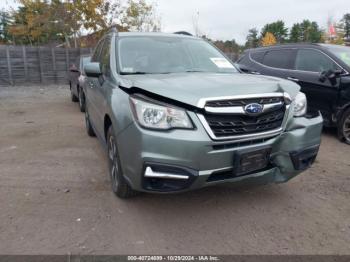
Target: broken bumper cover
180,160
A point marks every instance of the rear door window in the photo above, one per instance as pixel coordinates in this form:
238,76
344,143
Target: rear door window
313,61
281,58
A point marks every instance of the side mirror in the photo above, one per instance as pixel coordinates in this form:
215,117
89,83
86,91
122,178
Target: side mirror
330,74
74,69
246,69
242,68
338,72
93,69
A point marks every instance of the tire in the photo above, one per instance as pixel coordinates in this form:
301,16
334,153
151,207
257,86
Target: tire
72,96
90,131
81,97
119,185
344,127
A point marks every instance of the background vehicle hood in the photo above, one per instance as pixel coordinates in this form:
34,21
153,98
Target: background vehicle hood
189,88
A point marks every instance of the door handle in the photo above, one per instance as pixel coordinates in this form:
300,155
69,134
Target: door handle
255,72
293,79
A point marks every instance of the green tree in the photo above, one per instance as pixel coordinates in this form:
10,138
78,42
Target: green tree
70,18
310,32
5,21
31,22
306,31
252,38
43,21
345,22
140,16
295,33
228,46
278,29
65,21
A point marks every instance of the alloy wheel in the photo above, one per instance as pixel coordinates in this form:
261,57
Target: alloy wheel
113,158
81,98
346,129
87,118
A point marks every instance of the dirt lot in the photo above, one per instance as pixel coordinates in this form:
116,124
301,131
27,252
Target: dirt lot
56,199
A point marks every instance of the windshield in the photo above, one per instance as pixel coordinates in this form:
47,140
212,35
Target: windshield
163,55
342,52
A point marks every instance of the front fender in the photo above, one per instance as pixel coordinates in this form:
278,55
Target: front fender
120,114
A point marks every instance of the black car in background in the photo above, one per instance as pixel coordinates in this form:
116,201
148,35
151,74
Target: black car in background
321,70
76,79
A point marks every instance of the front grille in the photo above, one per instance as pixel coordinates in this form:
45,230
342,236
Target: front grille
244,102
240,144
229,125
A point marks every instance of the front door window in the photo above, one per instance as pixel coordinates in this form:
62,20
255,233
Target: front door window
313,61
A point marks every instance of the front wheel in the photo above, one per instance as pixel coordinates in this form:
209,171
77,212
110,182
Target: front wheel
119,185
344,127
73,97
81,100
89,128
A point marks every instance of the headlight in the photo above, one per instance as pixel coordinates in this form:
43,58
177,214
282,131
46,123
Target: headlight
158,116
300,104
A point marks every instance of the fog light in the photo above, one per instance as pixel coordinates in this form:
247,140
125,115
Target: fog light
150,173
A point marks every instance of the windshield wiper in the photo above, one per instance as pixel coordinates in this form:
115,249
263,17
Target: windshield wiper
135,73
145,73
195,71
161,73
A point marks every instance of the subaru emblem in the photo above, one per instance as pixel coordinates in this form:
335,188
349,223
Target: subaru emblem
253,108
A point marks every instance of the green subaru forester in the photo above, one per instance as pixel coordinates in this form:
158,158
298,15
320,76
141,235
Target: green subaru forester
175,114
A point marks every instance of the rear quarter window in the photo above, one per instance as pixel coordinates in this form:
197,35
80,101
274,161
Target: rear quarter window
257,56
243,59
279,58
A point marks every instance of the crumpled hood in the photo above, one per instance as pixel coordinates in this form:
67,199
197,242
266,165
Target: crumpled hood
189,88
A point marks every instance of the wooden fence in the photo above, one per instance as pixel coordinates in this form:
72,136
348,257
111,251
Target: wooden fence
21,65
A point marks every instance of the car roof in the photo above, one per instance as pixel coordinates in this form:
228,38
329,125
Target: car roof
289,45
320,46
155,34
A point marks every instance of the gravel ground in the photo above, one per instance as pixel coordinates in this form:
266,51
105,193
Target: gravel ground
56,198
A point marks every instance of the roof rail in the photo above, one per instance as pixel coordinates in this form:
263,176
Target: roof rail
183,33
113,29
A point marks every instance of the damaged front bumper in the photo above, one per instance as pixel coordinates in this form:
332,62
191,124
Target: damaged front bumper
181,160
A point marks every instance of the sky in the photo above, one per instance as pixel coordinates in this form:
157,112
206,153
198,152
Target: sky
231,19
